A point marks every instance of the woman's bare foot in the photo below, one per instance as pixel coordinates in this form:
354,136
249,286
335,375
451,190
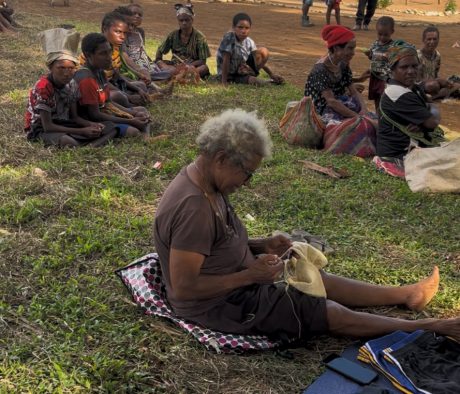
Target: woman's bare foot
421,293
155,97
167,91
160,137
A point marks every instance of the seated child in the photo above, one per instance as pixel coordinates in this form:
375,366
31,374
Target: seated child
122,89
187,44
377,54
95,102
52,108
239,60
134,48
333,5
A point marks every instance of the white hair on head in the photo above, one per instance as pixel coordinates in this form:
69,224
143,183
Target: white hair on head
241,134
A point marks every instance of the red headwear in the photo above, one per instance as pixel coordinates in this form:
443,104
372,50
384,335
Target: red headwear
335,34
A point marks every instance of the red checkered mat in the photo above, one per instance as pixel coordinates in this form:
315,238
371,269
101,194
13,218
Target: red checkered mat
143,280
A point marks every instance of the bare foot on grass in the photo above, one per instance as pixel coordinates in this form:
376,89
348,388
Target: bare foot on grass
167,91
160,137
155,97
421,293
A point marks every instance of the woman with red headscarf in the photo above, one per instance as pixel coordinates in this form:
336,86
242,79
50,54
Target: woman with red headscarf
331,76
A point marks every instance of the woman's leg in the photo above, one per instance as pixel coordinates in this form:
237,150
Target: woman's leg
328,15
118,97
67,140
353,293
337,15
261,58
3,27
446,92
203,70
432,87
105,138
345,322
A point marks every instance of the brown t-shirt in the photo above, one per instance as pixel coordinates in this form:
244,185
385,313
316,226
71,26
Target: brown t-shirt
185,220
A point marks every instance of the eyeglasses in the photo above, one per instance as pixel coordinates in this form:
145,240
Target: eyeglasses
249,174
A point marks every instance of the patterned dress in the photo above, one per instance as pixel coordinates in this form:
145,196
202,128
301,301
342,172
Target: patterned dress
44,96
172,43
430,67
321,80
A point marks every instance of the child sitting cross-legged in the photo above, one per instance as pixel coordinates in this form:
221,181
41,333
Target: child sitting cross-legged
52,108
239,60
95,103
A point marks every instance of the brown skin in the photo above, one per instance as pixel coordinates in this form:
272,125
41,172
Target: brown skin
186,29
242,30
101,59
439,87
341,54
384,33
138,17
116,35
222,177
405,72
330,7
7,13
63,72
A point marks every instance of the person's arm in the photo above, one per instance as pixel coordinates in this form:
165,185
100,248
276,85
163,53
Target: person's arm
354,92
336,105
225,67
158,55
198,63
363,77
50,127
276,245
433,121
74,116
189,285
276,78
142,73
97,116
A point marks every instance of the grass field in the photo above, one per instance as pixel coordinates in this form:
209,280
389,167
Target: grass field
66,323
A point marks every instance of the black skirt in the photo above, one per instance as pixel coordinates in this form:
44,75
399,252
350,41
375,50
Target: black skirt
267,310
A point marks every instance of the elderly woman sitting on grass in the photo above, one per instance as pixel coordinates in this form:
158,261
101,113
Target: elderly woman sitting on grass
210,266
52,108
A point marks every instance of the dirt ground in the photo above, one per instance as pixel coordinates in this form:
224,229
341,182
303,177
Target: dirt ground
294,49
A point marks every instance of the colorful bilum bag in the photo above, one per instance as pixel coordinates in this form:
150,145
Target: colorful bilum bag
353,136
143,280
302,125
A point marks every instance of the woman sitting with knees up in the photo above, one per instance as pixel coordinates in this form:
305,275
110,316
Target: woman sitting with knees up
406,115
331,76
95,102
52,108
209,263
239,60
187,44
134,48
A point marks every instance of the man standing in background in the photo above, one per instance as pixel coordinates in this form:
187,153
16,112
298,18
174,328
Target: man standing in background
371,5
306,4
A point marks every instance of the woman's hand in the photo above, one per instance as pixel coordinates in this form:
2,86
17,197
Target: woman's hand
142,115
278,79
413,128
364,112
265,269
98,126
277,245
144,95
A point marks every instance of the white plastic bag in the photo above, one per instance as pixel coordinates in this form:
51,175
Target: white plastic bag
434,170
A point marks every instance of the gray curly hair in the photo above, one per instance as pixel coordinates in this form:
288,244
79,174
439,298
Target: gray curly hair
241,134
